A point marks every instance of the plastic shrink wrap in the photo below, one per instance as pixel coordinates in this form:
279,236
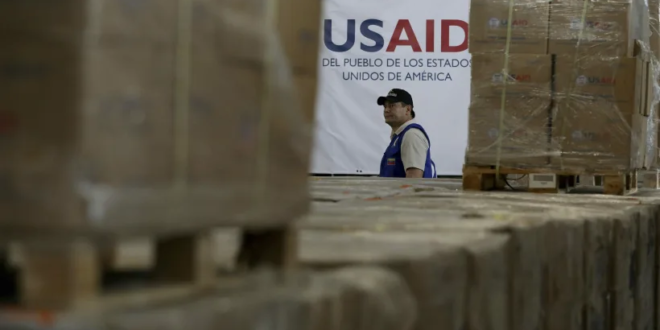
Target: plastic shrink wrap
570,85
151,117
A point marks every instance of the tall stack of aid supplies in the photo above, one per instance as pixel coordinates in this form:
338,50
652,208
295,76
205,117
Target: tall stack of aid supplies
153,118
158,118
565,85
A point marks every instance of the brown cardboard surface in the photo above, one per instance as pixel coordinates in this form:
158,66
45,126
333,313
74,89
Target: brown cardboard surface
524,138
610,29
306,89
575,241
598,79
646,279
565,288
300,33
473,273
603,104
97,119
351,298
525,113
127,129
489,21
568,254
146,21
598,242
625,236
489,294
529,77
423,263
596,136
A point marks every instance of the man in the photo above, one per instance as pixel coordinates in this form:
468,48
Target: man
409,153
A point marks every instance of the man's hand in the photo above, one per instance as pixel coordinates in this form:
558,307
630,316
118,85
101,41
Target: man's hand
414,173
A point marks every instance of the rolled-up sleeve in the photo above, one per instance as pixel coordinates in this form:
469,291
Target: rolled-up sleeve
413,149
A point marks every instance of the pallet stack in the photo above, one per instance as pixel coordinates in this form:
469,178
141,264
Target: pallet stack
364,298
507,261
162,119
111,123
563,88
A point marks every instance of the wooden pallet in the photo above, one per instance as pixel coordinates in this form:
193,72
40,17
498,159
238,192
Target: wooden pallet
61,277
483,178
650,179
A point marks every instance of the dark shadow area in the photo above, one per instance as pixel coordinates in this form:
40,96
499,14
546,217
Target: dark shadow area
8,282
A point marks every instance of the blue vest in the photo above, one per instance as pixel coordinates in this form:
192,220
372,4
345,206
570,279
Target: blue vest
391,165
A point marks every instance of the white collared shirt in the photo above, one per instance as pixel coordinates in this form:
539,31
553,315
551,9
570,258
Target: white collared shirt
413,147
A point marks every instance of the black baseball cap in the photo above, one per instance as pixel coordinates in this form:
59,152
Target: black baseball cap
397,95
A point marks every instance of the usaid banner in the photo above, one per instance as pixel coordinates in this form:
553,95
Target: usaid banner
371,46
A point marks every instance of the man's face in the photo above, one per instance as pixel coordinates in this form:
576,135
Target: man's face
395,113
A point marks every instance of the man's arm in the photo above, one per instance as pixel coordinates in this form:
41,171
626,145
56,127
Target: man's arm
414,173
413,153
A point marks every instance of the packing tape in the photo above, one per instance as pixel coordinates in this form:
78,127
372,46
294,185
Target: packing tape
505,75
583,18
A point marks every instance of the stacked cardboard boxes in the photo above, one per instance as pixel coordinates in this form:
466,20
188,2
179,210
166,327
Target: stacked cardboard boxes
509,109
589,107
350,298
600,118
157,116
300,36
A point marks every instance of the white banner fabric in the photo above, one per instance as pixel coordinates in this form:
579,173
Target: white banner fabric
371,46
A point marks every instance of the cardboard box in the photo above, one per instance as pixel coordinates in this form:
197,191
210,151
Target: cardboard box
595,136
99,137
300,33
145,21
304,299
525,115
306,90
528,82
524,143
609,29
489,25
598,80
156,21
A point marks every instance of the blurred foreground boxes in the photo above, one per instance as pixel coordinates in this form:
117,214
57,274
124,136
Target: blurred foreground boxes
129,117
352,298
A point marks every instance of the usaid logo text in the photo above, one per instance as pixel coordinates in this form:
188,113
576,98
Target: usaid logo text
403,36
591,80
495,23
576,24
590,136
